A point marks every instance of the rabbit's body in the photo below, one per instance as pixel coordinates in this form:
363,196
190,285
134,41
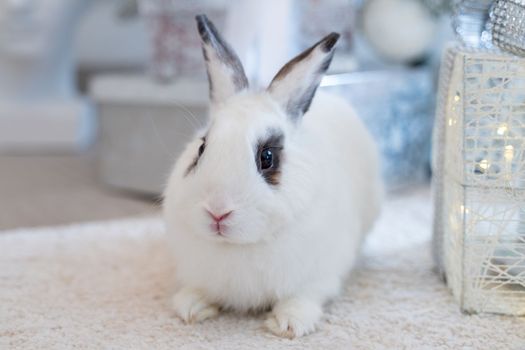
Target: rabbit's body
337,160
269,212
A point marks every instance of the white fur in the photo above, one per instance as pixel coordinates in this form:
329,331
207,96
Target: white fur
288,246
221,74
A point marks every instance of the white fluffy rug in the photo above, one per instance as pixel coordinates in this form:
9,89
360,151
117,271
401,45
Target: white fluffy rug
107,286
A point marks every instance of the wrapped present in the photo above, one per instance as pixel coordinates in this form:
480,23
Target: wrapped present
480,174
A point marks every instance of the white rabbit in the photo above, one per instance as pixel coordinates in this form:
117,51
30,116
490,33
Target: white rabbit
267,207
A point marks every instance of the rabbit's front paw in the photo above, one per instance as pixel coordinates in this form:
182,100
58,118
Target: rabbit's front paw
294,317
191,306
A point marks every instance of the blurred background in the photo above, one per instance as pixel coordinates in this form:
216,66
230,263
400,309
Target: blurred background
98,97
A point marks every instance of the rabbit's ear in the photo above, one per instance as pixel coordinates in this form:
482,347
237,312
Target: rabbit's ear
294,85
225,73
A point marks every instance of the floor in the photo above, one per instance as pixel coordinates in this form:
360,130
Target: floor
108,285
55,190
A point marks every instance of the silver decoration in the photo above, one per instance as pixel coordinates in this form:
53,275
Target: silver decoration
470,22
507,18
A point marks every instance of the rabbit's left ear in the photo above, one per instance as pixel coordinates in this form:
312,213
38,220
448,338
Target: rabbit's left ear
225,73
294,85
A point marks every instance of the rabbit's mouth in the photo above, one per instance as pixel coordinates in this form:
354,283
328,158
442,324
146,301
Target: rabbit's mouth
219,229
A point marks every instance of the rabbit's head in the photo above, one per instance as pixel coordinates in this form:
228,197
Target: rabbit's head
245,176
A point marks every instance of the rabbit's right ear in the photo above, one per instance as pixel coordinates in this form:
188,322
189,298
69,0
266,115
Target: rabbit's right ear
225,72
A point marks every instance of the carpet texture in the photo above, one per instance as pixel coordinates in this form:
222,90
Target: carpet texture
107,286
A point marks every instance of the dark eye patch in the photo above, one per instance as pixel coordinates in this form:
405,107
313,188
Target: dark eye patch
268,156
193,164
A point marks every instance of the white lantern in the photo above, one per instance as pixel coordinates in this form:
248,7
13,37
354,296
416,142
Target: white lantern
480,186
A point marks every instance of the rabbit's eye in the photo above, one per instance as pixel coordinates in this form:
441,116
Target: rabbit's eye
196,159
269,164
201,149
266,159
268,156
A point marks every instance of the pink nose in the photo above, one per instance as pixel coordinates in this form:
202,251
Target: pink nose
219,218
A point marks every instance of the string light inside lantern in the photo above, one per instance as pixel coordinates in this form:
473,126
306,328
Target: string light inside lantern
502,129
463,209
509,153
483,165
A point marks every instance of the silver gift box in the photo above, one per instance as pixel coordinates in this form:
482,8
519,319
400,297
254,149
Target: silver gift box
143,127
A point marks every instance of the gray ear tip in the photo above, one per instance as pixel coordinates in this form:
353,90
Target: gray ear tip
202,18
329,41
203,24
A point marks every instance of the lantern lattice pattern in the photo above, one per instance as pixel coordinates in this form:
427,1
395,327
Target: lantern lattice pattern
482,199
